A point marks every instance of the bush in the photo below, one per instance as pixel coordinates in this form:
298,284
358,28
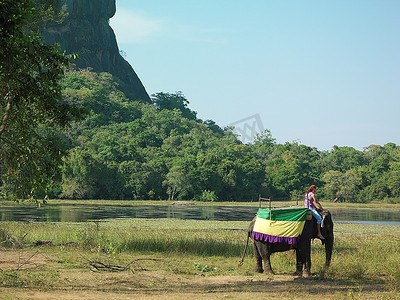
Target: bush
208,196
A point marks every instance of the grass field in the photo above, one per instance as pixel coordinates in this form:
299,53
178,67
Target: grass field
180,259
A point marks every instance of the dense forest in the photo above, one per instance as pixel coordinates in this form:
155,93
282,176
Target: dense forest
76,135
124,149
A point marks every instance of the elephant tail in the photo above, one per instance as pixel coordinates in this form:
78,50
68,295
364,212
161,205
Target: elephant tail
245,250
249,236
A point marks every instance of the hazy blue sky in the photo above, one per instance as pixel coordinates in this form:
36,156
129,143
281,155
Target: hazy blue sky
322,73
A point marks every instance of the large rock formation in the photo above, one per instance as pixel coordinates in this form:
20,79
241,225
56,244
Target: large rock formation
86,32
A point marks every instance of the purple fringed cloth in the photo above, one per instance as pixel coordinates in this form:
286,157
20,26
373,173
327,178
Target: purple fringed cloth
279,225
275,239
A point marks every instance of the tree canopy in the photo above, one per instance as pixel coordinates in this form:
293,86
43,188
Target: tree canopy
31,106
125,149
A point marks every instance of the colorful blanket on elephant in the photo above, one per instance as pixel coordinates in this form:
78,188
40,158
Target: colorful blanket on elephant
279,225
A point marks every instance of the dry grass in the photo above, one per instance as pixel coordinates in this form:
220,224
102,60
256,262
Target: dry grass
180,259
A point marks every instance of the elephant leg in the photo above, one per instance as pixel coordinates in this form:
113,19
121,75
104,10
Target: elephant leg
307,265
307,259
267,264
258,267
299,263
264,253
303,260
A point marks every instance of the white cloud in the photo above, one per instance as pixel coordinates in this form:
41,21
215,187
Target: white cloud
132,27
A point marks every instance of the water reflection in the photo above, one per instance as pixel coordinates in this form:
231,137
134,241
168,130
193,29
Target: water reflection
84,213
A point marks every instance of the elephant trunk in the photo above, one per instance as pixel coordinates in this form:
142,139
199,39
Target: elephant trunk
327,232
328,250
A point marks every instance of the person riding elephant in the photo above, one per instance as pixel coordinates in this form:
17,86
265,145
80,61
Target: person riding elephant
309,199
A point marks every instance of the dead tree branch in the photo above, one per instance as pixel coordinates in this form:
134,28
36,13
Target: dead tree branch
176,267
28,259
98,266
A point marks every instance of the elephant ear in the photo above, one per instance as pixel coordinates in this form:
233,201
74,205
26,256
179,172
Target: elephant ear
327,221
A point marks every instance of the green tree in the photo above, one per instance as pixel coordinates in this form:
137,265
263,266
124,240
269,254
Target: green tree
286,175
344,158
173,101
31,107
175,181
264,145
240,172
80,171
100,95
289,171
141,181
341,186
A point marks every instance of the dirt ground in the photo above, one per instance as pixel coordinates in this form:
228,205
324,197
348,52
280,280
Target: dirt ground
124,286
159,284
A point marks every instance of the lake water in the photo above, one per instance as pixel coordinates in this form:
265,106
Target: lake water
86,213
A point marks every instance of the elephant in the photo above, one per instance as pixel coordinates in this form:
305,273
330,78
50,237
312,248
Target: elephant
263,250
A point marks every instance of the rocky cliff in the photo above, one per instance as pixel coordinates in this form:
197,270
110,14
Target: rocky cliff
86,31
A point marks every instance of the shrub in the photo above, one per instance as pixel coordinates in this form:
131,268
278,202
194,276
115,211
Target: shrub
208,196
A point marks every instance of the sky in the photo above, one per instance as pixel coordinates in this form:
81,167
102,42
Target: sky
320,73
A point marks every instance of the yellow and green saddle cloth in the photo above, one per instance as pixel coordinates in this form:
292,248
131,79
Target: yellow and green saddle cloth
279,225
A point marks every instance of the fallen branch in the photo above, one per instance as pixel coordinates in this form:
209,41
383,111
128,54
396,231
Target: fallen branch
28,259
97,266
9,239
176,267
139,259
43,243
13,241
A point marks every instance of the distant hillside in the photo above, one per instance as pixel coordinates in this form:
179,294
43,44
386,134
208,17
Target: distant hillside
159,149
86,32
